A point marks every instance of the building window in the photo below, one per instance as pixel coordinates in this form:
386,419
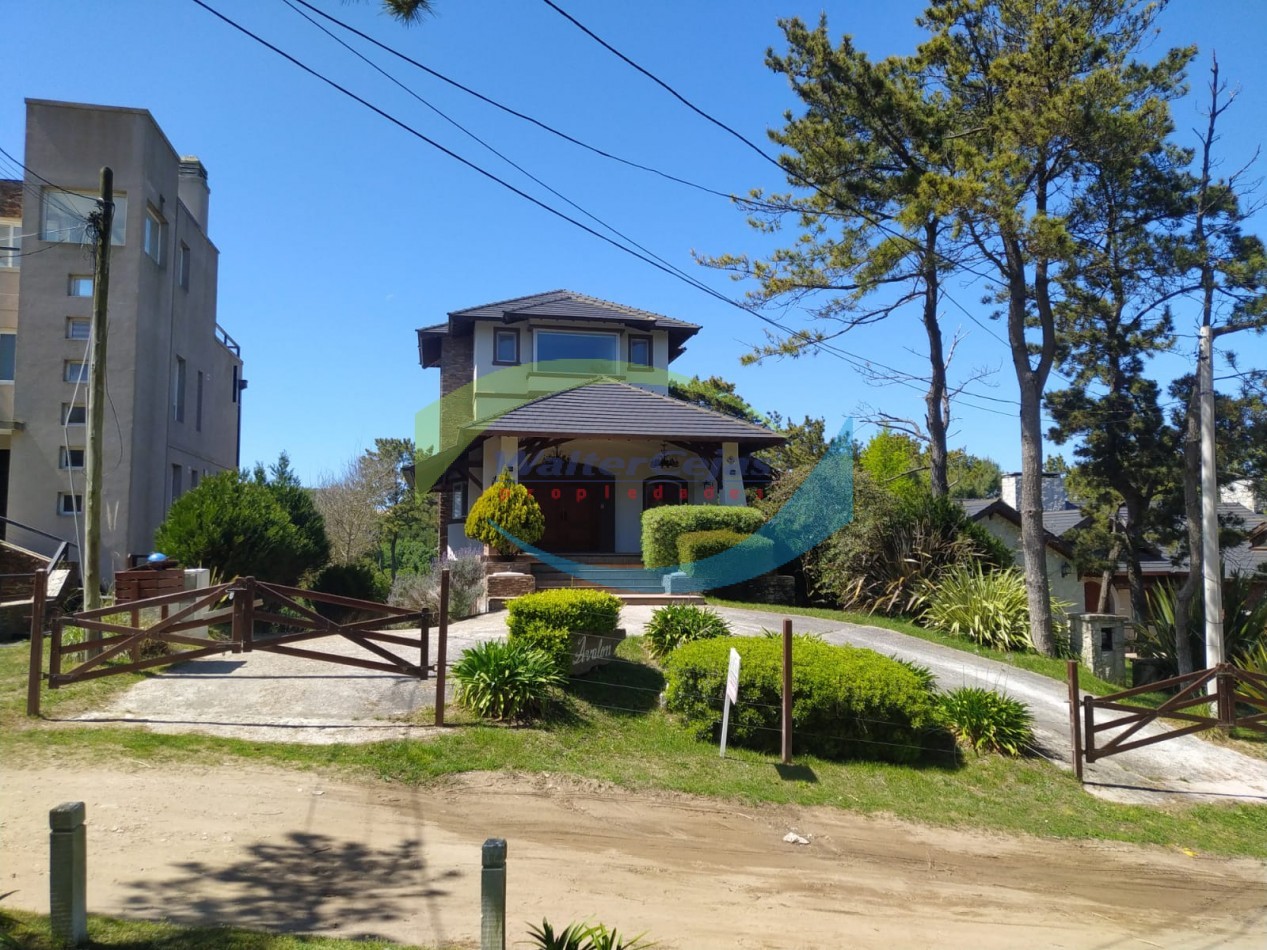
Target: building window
75,372
155,234
193,479
64,216
458,499
73,415
178,391
640,351
68,504
566,345
235,384
506,347
198,403
184,265
176,482
80,285
70,458
10,244
78,328
8,356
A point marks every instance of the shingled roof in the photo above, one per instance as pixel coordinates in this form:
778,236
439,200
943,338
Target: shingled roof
611,409
569,305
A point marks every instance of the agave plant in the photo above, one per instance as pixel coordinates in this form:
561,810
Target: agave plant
675,624
986,721
506,681
582,936
988,607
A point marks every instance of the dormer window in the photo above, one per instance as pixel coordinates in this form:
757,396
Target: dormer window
640,352
506,347
568,345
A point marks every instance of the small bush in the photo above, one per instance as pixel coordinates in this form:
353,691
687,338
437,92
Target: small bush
847,702
986,721
988,607
583,936
574,609
661,527
506,681
699,545
554,641
360,581
510,506
422,591
676,624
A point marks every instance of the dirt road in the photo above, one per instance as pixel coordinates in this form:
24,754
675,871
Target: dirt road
294,851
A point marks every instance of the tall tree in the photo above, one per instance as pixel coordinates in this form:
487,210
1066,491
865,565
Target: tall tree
869,242
1044,90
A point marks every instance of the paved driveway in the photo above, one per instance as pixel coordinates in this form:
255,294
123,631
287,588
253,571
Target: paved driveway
265,696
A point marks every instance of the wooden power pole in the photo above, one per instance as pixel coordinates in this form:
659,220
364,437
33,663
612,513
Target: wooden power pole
90,556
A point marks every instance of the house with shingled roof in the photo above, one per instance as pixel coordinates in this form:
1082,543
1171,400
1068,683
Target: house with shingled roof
569,394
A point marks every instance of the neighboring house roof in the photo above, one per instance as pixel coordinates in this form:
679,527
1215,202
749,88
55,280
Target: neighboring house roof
10,198
611,409
979,509
1063,521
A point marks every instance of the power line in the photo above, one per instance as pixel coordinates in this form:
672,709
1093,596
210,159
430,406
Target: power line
517,114
468,132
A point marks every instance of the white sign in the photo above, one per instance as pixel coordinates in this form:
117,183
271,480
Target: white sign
732,696
732,677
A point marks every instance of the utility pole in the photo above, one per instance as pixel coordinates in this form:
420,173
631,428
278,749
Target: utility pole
90,556
1211,566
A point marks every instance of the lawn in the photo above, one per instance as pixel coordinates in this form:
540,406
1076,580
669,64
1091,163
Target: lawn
22,931
611,728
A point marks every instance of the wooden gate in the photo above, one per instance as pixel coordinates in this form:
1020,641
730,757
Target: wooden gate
241,616
1239,699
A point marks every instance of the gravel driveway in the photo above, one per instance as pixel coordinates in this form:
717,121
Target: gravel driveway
266,696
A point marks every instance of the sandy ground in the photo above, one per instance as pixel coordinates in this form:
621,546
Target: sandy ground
270,697
295,852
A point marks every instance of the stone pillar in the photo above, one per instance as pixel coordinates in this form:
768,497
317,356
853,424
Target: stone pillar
731,478
68,875
1099,642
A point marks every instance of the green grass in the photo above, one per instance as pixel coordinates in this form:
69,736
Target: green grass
22,931
612,729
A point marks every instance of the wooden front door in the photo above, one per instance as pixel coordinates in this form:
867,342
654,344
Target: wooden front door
580,514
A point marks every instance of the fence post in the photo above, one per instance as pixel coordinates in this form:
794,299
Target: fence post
248,614
37,643
68,874
787,691
1226,703
426,643
493,895
1088,728
1075,725
442,648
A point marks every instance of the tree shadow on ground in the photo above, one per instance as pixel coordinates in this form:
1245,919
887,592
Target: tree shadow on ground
620,687
302,883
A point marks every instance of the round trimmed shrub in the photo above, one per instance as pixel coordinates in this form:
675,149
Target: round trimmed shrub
675,624
506,681
556,642
847,702
572,609
986,721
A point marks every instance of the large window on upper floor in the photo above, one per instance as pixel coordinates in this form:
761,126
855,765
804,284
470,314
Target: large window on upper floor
571,345
64,216
10,243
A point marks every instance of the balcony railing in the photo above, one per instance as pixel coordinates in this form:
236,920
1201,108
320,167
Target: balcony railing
227,341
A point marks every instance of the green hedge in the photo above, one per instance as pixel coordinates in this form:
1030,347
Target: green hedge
699,545
555,642
567,609
847,702
661,527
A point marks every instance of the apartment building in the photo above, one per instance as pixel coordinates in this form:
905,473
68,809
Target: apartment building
173,375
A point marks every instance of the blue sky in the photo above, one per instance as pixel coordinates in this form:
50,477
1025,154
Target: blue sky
340,233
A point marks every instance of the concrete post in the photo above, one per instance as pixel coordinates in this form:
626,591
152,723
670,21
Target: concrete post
493,895
68,874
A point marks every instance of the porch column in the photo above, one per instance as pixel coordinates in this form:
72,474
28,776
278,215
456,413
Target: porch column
731,479
501,452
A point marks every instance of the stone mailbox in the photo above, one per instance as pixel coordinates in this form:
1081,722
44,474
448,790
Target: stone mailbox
1099,643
